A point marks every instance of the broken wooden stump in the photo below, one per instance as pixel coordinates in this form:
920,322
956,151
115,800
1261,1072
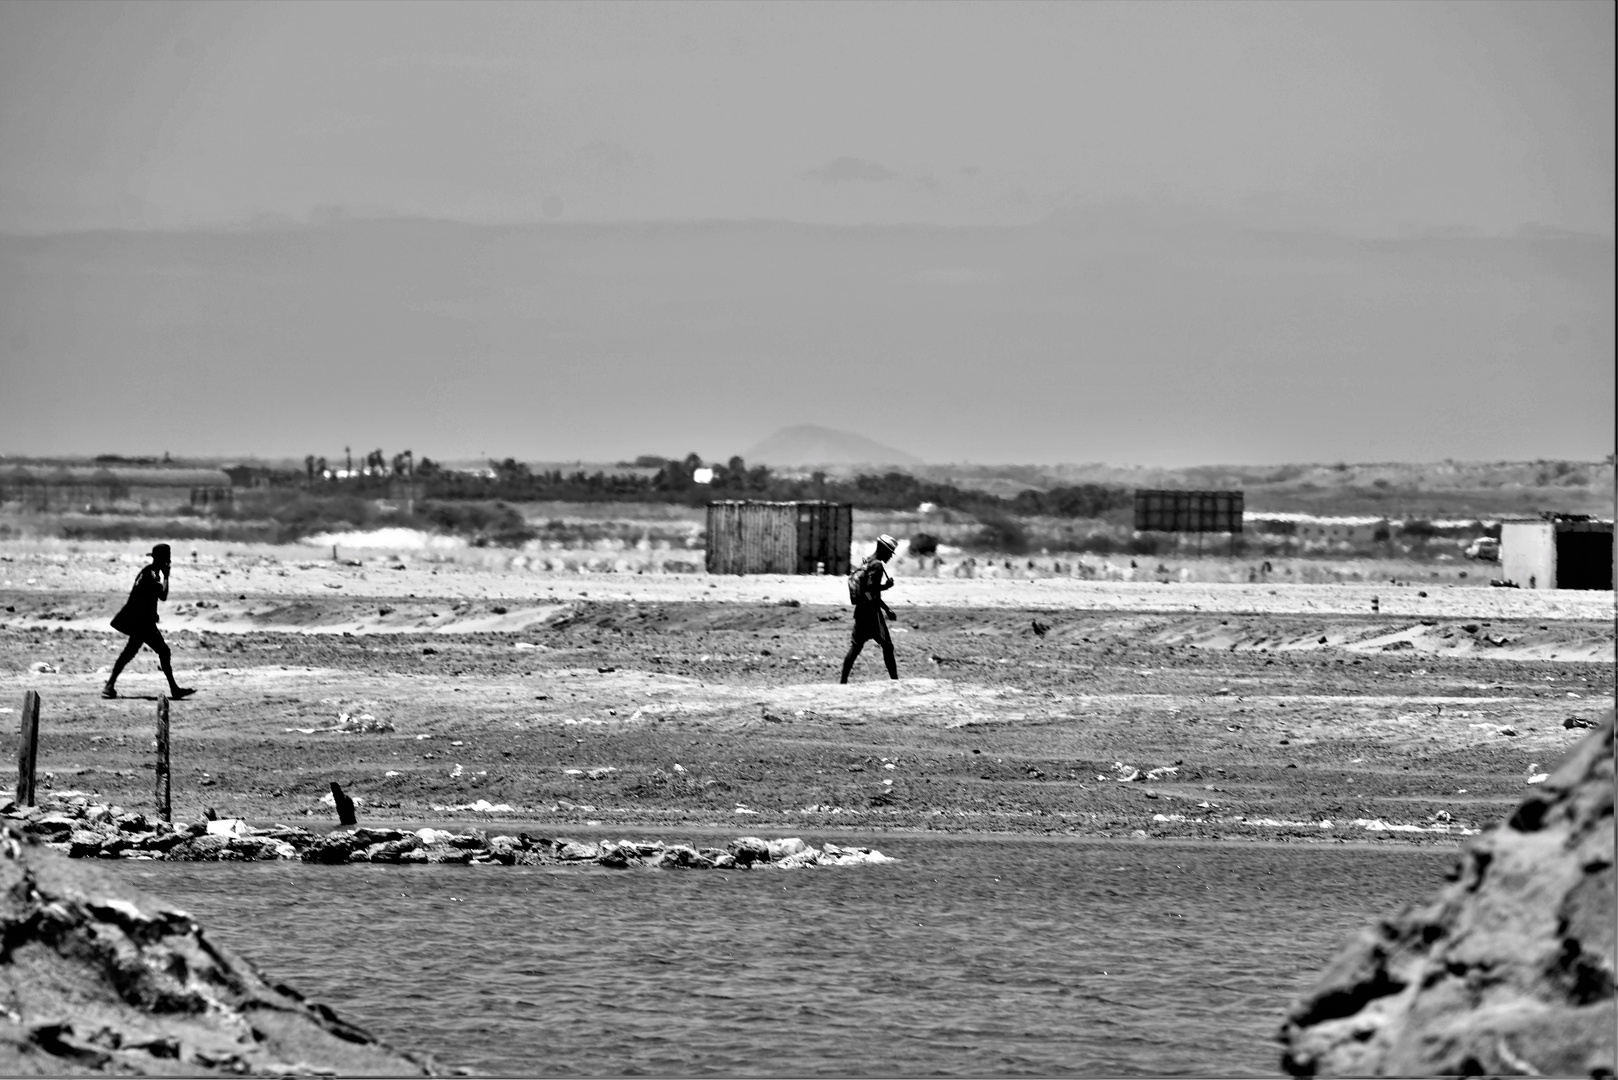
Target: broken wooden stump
345,806
160,770
27,748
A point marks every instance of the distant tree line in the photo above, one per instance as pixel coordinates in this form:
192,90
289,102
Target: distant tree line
651,478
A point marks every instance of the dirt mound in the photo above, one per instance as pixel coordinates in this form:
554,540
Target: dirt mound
97,978
1509,971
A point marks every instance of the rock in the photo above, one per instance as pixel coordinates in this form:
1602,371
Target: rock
504,850
684,858
113,847
390,851
228,827
574,851
331,850
747,850
1509,970
50,826
133,823
100,978
791,845
450,855
618,858
160,841
198,849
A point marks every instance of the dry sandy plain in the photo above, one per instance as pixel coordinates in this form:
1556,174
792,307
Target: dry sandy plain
570,701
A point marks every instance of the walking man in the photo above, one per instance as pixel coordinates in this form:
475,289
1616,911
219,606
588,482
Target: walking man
871,613
138,619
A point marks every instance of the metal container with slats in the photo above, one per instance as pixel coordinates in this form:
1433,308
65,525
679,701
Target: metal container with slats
748,537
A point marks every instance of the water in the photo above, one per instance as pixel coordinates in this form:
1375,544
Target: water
969,957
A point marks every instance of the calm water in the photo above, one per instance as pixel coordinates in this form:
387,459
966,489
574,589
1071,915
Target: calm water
969,957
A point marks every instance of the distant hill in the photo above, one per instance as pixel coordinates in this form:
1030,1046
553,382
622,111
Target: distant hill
810,444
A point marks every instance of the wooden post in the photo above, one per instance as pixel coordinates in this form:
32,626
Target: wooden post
161,770
27,748
345,806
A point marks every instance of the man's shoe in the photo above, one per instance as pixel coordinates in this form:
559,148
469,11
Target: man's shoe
108,692
180,692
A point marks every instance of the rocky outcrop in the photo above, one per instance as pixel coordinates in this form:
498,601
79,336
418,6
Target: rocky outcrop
97,978
1509,971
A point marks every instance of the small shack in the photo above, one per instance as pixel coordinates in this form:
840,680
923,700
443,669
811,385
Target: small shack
1559,551
747,537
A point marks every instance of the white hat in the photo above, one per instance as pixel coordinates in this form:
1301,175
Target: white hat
888,542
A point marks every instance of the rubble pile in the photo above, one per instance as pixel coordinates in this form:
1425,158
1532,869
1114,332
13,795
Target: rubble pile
82,829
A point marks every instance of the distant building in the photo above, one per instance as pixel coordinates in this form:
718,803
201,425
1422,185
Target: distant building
82,489
1560,551
747,537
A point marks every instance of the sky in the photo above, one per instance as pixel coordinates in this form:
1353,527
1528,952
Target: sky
1166,123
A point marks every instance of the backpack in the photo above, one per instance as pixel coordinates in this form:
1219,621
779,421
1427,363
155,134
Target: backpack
856,583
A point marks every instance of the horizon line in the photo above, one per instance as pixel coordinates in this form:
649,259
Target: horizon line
1171,216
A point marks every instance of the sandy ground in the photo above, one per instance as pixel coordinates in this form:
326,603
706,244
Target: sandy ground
1098,708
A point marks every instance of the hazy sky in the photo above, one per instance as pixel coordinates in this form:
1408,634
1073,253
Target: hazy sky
1147,232
1366,116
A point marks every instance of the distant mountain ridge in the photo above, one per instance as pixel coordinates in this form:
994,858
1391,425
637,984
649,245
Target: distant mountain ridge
811,444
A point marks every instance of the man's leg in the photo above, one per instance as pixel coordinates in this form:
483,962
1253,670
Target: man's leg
131,647
887,658
853,654
161,648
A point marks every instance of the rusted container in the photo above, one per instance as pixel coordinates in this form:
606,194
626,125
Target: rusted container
747,537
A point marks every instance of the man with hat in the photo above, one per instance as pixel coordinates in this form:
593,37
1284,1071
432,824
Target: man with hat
138,619
871,612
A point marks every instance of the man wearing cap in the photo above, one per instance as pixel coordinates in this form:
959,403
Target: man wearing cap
871,612
138,619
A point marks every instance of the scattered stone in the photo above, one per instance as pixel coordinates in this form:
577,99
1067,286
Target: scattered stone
80,829
748,850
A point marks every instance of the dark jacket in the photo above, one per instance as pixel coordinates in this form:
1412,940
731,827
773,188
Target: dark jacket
140,610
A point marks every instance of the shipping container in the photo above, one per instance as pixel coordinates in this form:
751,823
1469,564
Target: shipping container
779,537
1561,551
1189,511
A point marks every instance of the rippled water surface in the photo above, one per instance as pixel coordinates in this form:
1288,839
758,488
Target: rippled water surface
967,957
